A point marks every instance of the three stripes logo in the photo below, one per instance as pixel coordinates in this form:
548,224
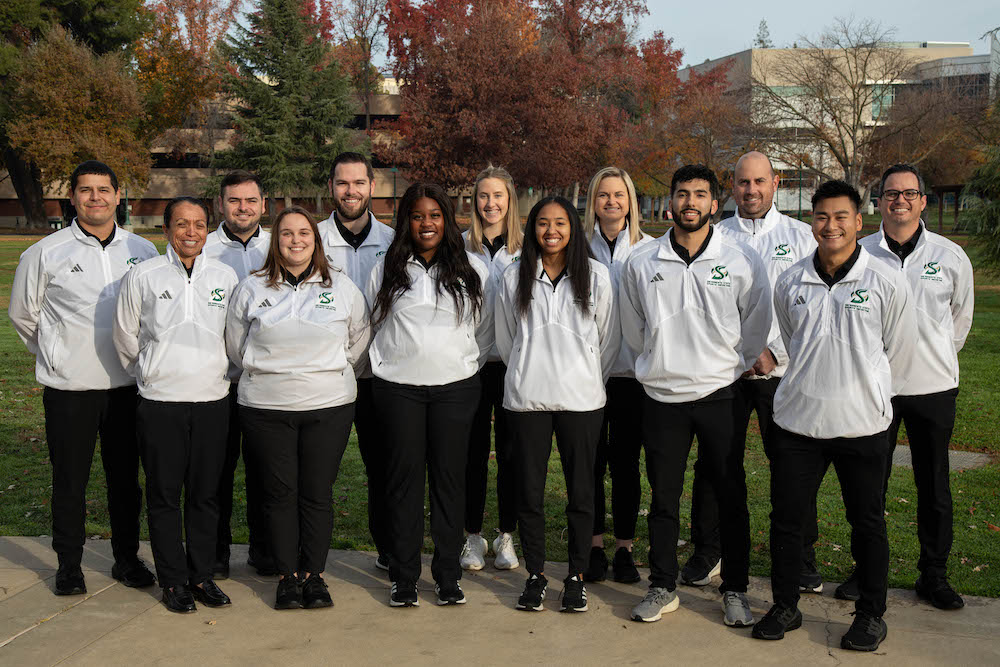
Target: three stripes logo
657,279
266,303
166,295
799,301
76,269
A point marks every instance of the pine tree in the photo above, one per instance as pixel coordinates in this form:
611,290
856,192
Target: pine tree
290,100
763,38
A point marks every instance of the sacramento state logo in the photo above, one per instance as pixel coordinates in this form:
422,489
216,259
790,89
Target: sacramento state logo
132,261
719,276
325,301
218,298
858,301
932,271
782,253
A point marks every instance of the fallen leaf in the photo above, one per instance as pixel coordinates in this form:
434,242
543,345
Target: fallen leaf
993,527
212,622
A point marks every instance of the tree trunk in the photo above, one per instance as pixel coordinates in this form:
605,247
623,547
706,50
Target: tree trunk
576,194
27,181
319,204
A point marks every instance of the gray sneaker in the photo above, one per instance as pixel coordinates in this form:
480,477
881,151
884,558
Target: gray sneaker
657,602
737,609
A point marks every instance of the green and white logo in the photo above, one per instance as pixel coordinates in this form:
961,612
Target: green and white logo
782,253
719,276
218,297
380,253
859,297
132,261
326,301
932,271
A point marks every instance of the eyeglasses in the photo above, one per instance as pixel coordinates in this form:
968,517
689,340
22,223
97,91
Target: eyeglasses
908,195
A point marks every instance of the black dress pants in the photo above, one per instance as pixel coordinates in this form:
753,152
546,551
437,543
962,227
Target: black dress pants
490,413
298,454
668,432
797,464
426,428
618,449
373,455
576,436
73,420
183,447
929,421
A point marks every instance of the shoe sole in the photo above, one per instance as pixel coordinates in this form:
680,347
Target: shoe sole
381,566
507,566
794,625
319,604
212,605
473,567
125,581
673,605
72,591
818,590
714,572
574,609
179,611
521,607
630,579
394,603
445,603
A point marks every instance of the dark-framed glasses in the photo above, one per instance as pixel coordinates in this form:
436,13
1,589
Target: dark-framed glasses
908,195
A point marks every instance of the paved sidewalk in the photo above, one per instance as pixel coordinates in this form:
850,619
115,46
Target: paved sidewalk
116,625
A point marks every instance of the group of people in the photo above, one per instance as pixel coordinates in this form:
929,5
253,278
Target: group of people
273,344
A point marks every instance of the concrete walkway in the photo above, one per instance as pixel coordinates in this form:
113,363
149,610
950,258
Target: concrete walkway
115,625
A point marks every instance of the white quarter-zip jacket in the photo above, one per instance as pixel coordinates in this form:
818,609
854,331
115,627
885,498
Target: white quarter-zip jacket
625,363
939,274
297,345
497,265
697,327
847,347
62,303
780,241
241,259
421,342
169,328
557,357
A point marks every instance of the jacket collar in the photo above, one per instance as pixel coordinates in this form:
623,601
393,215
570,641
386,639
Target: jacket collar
811,276
921,240
765,224
333,237
82,236
196,268
666,250
225,238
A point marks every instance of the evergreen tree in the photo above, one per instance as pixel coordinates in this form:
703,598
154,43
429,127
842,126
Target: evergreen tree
763,38
984,216
290,99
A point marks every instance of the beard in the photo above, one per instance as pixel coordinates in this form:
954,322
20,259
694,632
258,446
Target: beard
690,226
348,214
236,228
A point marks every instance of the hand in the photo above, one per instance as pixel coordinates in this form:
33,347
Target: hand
765,363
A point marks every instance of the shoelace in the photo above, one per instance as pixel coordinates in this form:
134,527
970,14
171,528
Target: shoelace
506,541
732,598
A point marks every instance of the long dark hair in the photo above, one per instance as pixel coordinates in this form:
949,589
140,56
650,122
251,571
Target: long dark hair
455,274
577,257
272,268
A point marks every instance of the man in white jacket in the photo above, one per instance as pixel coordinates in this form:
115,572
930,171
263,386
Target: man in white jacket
697,308
240,243
61,305
847,322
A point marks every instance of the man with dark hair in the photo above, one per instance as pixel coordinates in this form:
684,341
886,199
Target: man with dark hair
354,240
847,322
940,276
240,243
61,305
699,307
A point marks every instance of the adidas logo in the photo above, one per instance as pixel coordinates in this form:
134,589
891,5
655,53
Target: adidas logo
166,295
657,278
76,269
266,303
799,300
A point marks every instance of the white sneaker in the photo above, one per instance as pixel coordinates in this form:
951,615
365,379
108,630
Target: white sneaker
473,553
503,547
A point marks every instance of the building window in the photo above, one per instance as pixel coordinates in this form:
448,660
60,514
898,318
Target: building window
883,95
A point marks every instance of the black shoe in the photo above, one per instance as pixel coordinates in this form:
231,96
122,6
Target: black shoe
699,570
403,594
850,589
179,599
264,565
289,593
574,597
776,622
810,580
534,593
938,592
449,592
69,580
597,568
134,574
221,569
210,595
865,634
382,562
315,594
623,567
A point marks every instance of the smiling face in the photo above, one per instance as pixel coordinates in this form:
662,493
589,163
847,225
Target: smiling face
95,200
753,186
611,201
835,225
552,229
187,231
692,204
241,207
351,190
492,201
426,226
900,213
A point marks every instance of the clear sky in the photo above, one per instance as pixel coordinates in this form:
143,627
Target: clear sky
706,30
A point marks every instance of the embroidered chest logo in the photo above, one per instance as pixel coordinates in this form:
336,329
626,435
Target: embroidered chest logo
76,269
719,276
218,298
783,253
132,261
165,295
859,298
380,253
932,272
266,303
799,301
325,301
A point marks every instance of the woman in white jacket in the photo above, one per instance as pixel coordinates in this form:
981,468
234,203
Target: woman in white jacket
296,328
558,332
495,236
433,322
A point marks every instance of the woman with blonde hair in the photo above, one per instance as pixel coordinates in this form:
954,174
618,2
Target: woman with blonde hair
496,237
612,224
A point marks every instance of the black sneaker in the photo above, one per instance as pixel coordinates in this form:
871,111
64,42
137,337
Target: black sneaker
315,594
403,594
449,592
776,622
699,570
382,562
574,597
850,589
810,580
134,574
69,580
623,567
597,568
289,593
865,634
534,593
938,592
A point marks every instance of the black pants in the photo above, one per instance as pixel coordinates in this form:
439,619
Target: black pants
257,524
373,455
73,419
298,454
668,431
797,464
490,411
618,449
576,435
426,428
183,447
929,421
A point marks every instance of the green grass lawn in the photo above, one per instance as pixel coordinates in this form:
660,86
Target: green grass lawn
25,481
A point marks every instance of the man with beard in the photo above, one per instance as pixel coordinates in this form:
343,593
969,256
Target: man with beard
698,306
240,243
354,240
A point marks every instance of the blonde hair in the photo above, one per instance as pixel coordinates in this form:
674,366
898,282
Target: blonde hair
632,218
512,232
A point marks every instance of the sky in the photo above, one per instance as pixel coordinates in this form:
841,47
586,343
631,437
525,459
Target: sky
710,30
